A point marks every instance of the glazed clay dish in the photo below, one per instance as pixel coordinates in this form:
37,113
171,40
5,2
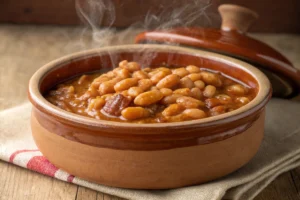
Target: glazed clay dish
231,39
155,154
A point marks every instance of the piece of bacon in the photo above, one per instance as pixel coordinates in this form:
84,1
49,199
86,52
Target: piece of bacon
115,105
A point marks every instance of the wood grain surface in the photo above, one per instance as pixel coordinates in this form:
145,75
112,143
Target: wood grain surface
24,49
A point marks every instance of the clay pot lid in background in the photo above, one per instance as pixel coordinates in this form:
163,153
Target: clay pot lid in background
231,40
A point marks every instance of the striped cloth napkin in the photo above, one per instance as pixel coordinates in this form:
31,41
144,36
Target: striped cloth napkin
279,152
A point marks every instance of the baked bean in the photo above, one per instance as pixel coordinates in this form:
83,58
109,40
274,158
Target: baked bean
123,64
106,97
166,91
122,73
135,91
125,84
212,102
131,113
217,110
236,89
116,69
168,81
140,75
211,79
186,82
71,90
199,84
110,74
193,69
189,102
243,100
194,113
152,73
209,91
158,76
167,71
153,88
107,87
182,72
148,98
133,66
164,69
224,99
195,76
176,118
145,84
170,99
125,93
183,91
97,81
97,103
130,66
96,84
173,109
82,79
196,93
147,69
94,92
101,78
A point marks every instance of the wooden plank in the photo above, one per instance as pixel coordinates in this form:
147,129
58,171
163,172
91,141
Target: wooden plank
282,188
88,194
18,183
275,15
103,196
296,179
85,194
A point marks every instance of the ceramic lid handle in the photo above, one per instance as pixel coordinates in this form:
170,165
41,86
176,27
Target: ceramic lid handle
236,17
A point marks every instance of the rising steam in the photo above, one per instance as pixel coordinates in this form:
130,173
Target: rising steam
95,13
184,15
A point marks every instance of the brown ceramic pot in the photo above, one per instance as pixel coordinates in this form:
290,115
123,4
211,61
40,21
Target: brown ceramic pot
148,156
231,39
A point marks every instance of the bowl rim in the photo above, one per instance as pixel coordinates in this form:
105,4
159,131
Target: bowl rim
253,106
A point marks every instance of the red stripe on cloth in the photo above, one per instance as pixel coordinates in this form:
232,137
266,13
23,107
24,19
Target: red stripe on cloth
42,165
70,178
12,157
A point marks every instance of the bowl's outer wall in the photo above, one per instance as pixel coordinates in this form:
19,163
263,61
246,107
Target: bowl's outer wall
165,155
144,138
157,169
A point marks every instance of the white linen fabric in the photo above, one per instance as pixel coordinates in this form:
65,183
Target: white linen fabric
279,152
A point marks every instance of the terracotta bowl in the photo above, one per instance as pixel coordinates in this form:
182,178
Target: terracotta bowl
147,156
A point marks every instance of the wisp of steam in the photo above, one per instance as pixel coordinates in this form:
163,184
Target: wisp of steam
93,13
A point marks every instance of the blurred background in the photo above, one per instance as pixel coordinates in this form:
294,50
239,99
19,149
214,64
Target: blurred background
275,15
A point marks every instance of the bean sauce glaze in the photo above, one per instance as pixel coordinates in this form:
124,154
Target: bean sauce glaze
129,93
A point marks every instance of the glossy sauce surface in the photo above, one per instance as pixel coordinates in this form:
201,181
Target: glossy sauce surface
151,95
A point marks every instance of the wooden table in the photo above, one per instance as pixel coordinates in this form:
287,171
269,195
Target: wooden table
23,49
